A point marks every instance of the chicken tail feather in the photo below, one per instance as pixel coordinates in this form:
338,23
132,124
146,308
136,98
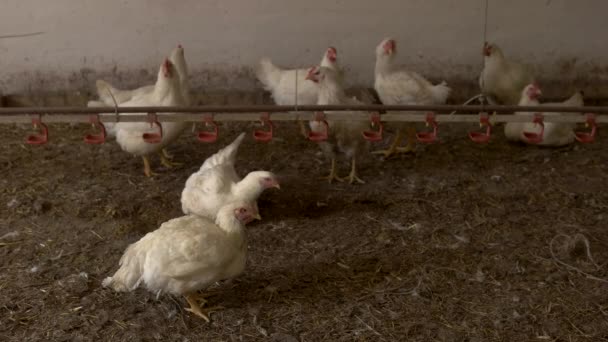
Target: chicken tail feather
441,92
226,155
268,73
129,275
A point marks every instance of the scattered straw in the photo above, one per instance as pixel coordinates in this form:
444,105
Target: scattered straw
571,242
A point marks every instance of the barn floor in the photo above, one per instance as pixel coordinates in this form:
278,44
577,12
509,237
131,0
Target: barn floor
461,242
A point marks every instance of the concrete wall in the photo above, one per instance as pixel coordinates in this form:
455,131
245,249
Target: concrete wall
125,40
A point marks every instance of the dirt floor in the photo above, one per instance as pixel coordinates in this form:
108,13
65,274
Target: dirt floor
461,242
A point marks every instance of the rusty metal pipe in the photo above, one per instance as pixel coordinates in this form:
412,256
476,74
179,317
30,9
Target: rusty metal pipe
309,108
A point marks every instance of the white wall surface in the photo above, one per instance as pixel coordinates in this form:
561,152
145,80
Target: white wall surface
126,40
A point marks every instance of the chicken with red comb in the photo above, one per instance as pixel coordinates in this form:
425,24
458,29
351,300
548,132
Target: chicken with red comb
502,80
281,83
396,85
345,137
166,93
187,254
551,133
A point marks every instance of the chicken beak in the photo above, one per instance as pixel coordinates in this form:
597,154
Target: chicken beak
277,186
257,217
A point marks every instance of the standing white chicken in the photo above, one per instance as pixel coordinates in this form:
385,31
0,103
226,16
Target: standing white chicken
187,254
501,80
397,86
105,91
343,136
176,57
554,134
166,93
217,183
281,83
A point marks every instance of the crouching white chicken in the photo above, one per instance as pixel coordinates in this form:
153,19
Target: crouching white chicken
555,133
281,83
398,86
217,183
344,136
187,254
502,80
129,135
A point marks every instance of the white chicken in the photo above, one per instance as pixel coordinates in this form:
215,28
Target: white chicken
176,57
217,183
502,80
554,134
108,93
129,135
187,254
343,136
396,85
281,83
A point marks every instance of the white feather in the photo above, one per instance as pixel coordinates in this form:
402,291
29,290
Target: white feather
216,183
184,255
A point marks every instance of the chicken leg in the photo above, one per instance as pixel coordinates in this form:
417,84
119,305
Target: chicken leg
303,130
395,148
196,309
147,170
411,140
333,175
352,177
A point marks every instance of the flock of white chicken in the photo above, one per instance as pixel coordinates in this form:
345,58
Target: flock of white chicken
208,244
502,81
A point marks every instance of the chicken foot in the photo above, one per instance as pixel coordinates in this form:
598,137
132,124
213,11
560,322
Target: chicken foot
392,148
411,141
395,148
202,296
166,154
167,162
196,309
147,170
333,175
352,176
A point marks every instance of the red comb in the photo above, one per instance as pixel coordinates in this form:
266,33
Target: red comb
167,67
309,75
390,44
